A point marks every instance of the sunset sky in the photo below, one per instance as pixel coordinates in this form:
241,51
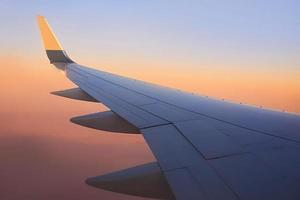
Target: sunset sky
246,51
243,51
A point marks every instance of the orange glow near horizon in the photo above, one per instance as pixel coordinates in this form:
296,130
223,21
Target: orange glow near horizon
274,90
23,79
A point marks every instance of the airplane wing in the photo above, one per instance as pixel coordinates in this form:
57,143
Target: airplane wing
205,148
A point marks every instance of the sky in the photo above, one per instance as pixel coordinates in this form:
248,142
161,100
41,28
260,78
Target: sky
243,51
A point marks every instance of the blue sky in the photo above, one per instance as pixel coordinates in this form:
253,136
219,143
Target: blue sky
250,33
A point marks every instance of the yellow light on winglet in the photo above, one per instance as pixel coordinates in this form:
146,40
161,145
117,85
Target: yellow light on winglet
49,38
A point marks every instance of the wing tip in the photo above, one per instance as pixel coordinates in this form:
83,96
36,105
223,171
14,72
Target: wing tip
40,16
50,40
54,49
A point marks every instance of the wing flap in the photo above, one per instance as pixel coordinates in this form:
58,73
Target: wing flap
170,112
251,178
207,139
174,152
184,185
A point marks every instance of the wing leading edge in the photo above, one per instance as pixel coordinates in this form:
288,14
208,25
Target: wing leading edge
206,148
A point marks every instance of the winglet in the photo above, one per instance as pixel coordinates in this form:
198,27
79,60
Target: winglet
54,50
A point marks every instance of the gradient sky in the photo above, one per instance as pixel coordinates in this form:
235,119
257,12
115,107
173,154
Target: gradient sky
244,51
